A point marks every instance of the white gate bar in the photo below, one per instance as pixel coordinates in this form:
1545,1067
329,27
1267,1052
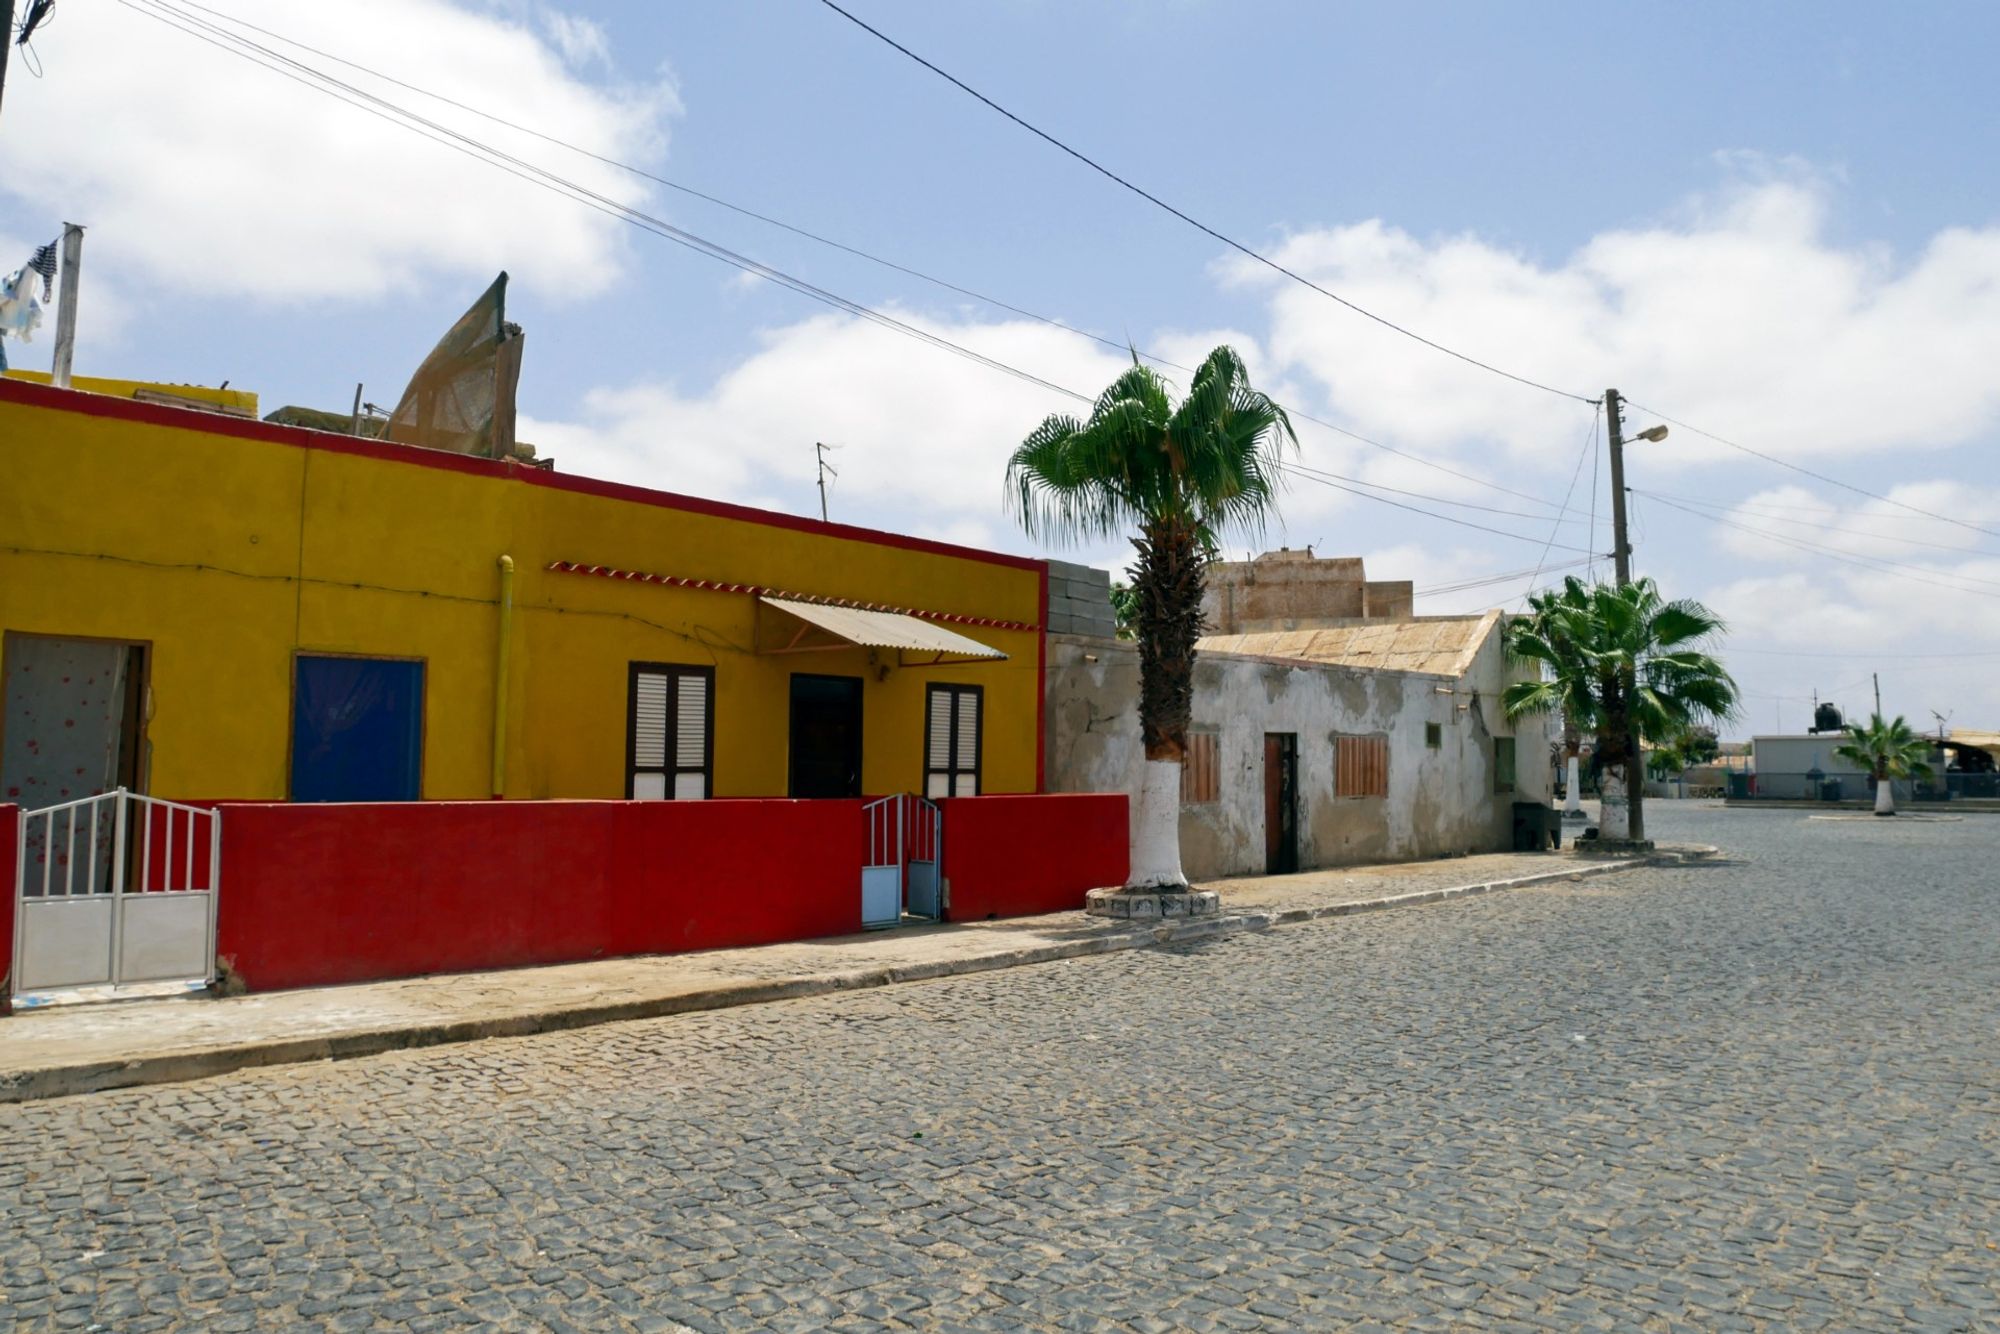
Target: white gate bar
117,887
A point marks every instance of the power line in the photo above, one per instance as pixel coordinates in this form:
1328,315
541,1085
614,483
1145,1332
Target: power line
1867,655
1879,567
1831,551
1463,523
1847,529
1506,577
535,175
818,238
1589,440
1808,472
1424,495
1202,227
480,151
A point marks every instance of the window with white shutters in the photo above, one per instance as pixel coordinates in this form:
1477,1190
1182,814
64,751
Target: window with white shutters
670,736
951,740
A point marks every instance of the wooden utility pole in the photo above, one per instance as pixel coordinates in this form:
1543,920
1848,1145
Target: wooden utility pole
1876,677
1621,548
1621,559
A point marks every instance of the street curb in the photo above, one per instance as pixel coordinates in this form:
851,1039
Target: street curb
97,1077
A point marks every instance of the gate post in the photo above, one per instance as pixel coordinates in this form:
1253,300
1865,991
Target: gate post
117,878
214,888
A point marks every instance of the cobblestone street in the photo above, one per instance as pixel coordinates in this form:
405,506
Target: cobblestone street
1759,1093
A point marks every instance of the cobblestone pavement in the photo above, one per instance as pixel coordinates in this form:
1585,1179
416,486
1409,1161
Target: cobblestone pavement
1757,1094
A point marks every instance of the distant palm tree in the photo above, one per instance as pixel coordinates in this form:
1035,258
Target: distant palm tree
1180,475
1888,750
1630,664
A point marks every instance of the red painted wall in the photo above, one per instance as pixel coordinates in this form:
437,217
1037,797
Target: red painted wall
1015,856
320,894
10,837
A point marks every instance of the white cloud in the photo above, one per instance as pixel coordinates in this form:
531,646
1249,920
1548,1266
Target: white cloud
200,173
923,435
1782,525
1740,314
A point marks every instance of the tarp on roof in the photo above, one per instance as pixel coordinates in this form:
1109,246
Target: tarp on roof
462,397
884,629
1432,645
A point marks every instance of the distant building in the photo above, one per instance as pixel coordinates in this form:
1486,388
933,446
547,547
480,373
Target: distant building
1292,590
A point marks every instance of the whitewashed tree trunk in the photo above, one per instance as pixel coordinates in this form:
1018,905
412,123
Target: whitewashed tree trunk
1573,789
1885,797
1615,819
1156,835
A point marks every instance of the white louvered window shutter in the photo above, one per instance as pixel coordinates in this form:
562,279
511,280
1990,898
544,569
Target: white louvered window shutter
691,738
965,757
951,741
649,736
669,743
938,744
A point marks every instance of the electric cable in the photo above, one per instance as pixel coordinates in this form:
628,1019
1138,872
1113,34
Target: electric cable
1589,441
1295,470
1817,476
1844,529
1195,223
479,151
808,234
1878,567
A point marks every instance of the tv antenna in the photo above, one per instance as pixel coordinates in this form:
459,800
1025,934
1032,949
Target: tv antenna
825,470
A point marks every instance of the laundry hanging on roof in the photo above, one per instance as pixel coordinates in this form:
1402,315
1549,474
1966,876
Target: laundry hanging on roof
20,312
44,263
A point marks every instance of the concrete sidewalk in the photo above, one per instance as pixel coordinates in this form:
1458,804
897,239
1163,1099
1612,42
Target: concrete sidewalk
82,1048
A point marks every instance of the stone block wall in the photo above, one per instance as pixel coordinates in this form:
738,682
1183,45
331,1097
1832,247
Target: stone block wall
1080,601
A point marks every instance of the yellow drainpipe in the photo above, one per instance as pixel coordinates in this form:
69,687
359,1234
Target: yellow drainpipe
500,676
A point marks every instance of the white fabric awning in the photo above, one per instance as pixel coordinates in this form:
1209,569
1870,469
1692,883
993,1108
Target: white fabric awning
883,629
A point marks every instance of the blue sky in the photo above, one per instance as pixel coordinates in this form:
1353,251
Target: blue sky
1778,222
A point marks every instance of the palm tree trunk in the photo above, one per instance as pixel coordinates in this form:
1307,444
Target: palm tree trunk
1166,590
1572,774
1885,793
1617,798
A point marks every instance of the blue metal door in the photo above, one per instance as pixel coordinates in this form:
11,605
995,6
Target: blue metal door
357,730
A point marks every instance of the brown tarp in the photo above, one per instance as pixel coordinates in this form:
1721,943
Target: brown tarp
462,398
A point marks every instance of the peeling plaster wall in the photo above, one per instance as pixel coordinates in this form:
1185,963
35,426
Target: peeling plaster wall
1441,802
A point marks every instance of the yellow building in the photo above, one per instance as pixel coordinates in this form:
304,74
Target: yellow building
201,605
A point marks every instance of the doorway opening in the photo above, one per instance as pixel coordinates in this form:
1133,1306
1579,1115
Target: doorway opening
72,719
1281,803
825,736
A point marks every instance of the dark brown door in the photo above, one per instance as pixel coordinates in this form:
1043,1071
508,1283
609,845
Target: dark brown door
1281,803
826,736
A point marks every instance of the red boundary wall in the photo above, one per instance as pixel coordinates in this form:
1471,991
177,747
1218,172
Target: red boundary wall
320,894
1017,856
10,835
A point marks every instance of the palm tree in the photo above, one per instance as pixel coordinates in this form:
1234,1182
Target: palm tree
1888,750
1564,689
1180,475
1631,664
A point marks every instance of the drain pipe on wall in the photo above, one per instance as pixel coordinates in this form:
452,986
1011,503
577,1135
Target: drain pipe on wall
500,677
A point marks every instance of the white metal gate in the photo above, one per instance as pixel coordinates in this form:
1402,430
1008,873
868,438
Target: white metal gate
115,891
903,873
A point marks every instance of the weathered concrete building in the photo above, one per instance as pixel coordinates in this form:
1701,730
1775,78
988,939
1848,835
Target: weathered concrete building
1323,740
1291,590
